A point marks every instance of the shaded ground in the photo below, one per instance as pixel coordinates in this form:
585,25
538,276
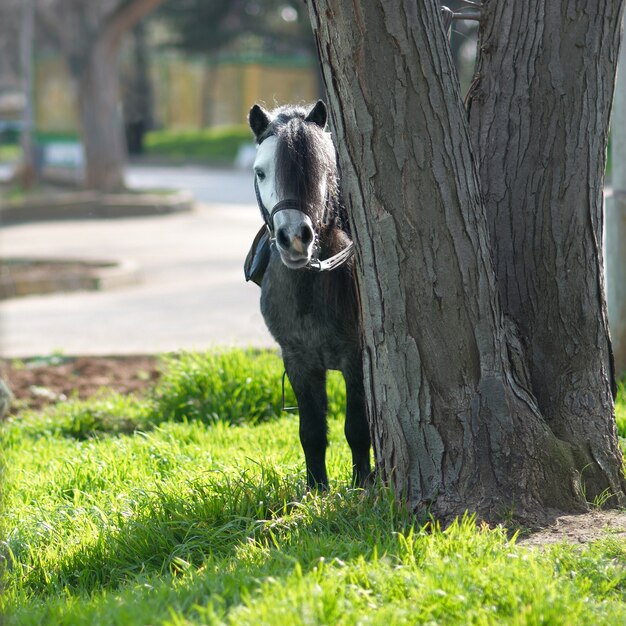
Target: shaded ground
36,383
39,382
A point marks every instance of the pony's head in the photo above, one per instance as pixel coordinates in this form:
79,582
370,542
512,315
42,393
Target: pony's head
296,177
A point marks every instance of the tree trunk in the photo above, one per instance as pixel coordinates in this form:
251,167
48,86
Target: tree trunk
28,170
89,34
539,118
453,423
101,119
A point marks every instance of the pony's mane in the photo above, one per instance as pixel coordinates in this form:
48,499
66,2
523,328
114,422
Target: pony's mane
306,155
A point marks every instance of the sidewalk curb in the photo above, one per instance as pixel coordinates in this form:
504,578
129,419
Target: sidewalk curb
90,204
81,276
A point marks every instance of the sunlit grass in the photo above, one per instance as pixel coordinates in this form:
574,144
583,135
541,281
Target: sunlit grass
188,506
9,153
217,145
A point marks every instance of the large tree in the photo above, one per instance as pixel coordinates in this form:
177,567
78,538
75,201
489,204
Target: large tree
488,364
89,35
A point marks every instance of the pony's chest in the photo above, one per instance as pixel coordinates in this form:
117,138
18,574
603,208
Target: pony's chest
292,310
307,310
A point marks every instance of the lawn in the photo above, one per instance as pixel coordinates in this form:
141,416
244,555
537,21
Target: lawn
212,145
9,153
188,506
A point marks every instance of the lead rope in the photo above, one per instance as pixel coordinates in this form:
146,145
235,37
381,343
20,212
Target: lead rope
287,408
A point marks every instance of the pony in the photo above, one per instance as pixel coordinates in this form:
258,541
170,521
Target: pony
308,288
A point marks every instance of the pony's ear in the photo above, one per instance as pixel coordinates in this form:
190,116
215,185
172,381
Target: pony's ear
318,114
259,120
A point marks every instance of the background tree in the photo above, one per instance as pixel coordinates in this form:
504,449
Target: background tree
89,35
16,43
27,28
250,27
204,27
487,357
137,93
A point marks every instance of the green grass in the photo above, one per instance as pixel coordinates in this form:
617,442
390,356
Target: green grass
9,153
216,145
50,136
189,506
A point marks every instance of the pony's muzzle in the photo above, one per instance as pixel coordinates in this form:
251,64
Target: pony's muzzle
296,242
294,237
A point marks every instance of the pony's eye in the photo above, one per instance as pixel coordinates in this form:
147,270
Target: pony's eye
260,174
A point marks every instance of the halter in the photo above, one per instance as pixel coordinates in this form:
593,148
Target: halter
327,265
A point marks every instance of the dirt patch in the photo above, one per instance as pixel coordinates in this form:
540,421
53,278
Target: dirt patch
580,529
36,383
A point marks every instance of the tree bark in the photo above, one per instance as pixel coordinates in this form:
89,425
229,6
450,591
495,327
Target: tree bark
539,116
453,422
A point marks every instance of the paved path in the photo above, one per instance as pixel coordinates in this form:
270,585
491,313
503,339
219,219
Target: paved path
192,294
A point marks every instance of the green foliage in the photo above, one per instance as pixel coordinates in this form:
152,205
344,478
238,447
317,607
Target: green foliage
107,414
158,510
44,137
235,387
217,145
201,27
9,152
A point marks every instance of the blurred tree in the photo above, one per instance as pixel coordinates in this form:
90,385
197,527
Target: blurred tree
136,89
10,17
208,26
89,34
16,111
28,173
254,27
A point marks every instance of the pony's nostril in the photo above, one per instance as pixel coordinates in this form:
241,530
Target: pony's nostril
283,239
306,235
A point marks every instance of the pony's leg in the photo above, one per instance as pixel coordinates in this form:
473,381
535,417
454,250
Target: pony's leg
356,428
310,389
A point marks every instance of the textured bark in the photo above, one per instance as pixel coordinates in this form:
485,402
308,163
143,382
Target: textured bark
539,117
453,422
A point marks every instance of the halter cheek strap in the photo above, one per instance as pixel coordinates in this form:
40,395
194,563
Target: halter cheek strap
265,214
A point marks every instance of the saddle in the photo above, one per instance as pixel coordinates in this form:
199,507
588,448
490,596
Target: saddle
258,257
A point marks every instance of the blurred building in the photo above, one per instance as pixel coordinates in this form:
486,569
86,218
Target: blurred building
187,93
195,95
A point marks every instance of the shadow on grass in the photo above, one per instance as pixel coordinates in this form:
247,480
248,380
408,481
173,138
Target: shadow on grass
213,522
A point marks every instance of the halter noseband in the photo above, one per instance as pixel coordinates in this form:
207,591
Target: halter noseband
327,265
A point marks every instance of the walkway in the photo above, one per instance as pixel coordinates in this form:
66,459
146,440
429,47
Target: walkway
192,294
